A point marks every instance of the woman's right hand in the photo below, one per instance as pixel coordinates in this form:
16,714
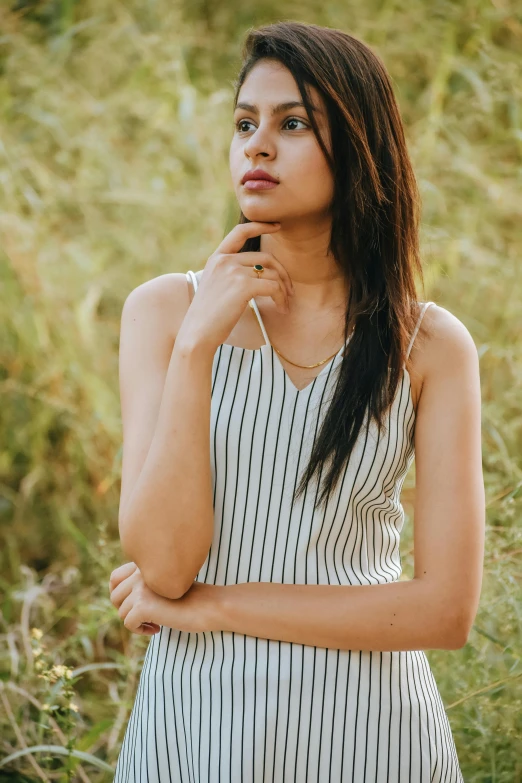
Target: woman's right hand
229,281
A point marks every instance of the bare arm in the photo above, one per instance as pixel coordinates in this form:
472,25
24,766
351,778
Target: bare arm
166,513
166,355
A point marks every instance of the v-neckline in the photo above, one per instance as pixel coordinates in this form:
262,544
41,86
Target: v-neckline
287,377
278,361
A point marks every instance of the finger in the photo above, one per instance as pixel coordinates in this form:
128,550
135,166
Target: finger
273,270
276,288
134,622
258,257
150,628
121,591
120,573
124,589
146,631
126,605
235,239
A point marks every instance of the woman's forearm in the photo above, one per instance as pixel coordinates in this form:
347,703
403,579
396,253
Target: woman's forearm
405,615
167,525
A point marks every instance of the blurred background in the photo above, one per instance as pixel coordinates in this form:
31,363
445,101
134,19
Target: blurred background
115,123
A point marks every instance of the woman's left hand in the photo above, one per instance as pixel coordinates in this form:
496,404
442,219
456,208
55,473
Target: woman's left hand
144,611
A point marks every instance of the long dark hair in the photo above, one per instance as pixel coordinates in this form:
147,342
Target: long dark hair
375,219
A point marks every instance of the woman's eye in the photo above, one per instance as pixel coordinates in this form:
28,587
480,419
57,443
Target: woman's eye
296,119
239,123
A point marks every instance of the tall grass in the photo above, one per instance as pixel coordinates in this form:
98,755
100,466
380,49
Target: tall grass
115,125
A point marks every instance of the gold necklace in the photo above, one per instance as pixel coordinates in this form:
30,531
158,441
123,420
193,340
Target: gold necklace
304,366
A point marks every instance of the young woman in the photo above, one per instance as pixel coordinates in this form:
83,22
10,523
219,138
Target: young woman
271,410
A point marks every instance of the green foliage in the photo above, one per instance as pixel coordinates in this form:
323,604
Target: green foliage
115,123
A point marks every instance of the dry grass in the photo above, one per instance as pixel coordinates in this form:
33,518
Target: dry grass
115,124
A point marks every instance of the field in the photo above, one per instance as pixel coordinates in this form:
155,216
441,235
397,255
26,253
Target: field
115,121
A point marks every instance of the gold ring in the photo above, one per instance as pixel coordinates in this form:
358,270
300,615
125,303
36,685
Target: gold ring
259,268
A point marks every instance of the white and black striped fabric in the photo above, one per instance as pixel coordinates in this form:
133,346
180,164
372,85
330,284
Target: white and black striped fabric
221,707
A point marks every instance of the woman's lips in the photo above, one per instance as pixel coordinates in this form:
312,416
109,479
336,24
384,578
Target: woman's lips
259,184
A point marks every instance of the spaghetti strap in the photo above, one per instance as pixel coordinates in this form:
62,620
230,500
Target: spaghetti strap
253,304
193,279
417,326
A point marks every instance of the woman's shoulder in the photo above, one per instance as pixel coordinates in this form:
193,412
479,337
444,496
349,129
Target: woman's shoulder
164,298
442,344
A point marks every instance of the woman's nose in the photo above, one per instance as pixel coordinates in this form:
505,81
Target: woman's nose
259,143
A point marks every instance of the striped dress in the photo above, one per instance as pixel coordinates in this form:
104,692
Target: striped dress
224,707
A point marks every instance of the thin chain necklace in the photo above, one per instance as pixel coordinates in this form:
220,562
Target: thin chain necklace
304,366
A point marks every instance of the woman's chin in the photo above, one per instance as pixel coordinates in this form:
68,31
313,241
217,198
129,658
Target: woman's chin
263,216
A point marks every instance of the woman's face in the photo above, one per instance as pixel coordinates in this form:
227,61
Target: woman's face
283,144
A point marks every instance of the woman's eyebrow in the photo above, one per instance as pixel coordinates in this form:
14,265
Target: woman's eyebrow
277,108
